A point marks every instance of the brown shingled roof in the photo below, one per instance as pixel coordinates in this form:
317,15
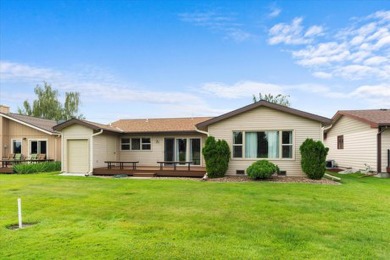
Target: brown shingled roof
159,125
45,125
373,117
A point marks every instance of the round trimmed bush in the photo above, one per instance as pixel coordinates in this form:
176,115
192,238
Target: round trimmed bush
262,169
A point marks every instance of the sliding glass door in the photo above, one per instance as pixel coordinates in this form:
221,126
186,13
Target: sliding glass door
195,151
182,150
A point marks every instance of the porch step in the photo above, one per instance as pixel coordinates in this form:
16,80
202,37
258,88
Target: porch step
144,174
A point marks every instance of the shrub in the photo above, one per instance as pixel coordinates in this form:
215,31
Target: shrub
25,168
313,158
262,169
217,156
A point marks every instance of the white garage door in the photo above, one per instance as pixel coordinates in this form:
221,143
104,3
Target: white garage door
78,156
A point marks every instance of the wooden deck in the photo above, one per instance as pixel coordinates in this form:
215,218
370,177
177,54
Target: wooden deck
6,169
150,171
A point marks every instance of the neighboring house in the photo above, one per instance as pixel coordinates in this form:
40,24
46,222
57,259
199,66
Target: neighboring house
26,135
261,130
360,138
86,145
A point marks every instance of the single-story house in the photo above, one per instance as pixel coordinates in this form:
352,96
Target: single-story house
26,135
360,139
87,145
260,130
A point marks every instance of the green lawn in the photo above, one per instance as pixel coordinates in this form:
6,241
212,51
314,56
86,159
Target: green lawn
88,218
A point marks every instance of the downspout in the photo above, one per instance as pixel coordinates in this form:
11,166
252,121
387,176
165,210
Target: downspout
55,146
323,131
379,148
63,154
208,134
91,151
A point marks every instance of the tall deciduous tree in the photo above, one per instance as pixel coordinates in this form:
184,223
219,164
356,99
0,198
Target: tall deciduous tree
48,106
278,99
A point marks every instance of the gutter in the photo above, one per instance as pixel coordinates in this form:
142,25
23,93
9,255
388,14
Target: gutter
91,151
202,132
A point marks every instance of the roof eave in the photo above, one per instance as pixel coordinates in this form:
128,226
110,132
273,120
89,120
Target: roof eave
160,132
322,120
29,125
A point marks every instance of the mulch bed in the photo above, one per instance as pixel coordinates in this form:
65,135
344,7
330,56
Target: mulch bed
282,179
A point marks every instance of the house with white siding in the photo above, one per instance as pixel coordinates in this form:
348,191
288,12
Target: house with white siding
261,130
360,139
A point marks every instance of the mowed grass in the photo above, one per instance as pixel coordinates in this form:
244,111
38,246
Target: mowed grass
106,218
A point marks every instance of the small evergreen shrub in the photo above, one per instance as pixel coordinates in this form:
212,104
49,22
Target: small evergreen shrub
313,160
262,169
217,156
26,168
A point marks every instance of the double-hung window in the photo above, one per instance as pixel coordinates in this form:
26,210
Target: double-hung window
270,144
340,142
237,144
287,144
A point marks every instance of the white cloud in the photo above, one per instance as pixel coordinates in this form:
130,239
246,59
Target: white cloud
359,51
322,54
369,91
92,84
275,12
294,33
377,96
12,70
376,60
314,30
222,23
240,89
322,75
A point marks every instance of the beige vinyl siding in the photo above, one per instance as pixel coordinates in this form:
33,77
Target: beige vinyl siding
105,148
385,147
16,131
360,144
74,132
150,158
261,119
78,156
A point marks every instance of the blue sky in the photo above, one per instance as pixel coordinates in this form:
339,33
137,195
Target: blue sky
147,59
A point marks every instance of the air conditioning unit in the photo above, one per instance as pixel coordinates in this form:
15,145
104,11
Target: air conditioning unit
330,164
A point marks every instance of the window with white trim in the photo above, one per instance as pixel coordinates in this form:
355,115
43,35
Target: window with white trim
136,144
237,144
16,146
125,144
38,147
270,144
